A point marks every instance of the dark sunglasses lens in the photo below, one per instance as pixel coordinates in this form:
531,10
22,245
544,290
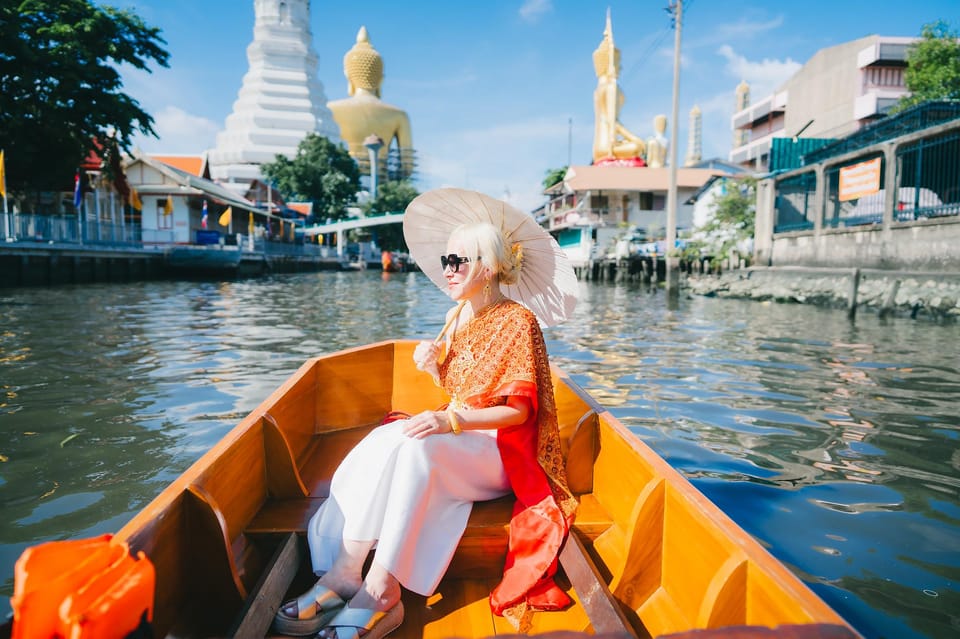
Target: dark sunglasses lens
453,261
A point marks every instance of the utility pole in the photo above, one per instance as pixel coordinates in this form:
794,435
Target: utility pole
673,261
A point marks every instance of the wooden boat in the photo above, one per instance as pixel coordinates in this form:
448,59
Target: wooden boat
649,555
204,259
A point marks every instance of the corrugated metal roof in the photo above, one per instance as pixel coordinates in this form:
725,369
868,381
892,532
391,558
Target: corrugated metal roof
787,153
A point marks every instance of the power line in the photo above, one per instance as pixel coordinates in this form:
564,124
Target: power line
660,37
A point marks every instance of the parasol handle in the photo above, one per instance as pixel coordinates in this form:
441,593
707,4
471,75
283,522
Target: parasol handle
446,326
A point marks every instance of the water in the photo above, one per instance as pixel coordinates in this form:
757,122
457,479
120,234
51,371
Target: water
835,444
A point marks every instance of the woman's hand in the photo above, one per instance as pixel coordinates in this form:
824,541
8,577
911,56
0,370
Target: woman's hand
425,357
429,422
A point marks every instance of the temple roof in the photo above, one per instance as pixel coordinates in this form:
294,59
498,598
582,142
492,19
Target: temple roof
192,164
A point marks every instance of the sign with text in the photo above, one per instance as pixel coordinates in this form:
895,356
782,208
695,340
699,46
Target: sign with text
859,180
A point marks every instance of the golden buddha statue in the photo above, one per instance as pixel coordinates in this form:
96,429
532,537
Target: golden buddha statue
611,140
657,145
364,114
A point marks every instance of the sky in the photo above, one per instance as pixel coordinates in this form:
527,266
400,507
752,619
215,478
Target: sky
500,91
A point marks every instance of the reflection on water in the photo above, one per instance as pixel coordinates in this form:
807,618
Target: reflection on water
835,444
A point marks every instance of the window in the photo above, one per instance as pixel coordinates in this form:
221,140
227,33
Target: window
164,221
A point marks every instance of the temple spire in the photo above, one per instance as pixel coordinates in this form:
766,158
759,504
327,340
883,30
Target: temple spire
281,100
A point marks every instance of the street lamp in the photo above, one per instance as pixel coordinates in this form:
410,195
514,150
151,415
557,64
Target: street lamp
373,144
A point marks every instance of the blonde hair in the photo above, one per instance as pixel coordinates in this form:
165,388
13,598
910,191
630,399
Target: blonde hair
486,241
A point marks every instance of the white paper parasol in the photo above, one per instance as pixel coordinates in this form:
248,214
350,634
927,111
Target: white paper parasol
547,284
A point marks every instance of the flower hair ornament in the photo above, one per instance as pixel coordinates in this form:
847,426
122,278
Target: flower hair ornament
516,252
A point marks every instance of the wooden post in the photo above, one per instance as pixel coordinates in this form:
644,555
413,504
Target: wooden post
890,300
852,299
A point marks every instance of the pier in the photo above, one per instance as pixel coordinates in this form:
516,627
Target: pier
52,258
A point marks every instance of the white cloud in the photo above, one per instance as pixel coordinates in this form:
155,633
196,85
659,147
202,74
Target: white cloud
179,132
764,76
506,160
533,10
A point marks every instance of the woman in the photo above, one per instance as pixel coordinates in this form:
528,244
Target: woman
435,464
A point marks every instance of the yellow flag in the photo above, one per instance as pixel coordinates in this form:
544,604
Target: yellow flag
168,207
3,177
250,227
226,216
135,200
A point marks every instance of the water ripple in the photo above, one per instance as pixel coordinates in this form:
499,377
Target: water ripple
835,444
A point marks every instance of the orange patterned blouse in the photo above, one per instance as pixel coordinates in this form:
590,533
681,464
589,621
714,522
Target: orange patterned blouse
498,354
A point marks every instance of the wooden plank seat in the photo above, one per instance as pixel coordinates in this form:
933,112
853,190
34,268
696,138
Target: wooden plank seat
299,487
289,509
487,529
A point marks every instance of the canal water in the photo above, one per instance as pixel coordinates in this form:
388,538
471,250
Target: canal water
836,444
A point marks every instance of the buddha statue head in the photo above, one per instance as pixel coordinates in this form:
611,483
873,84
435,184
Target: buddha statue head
660,124
363,66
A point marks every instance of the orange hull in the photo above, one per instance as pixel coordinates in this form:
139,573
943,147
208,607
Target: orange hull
671,560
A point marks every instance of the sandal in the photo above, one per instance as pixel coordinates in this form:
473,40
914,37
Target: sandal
376,624
315,608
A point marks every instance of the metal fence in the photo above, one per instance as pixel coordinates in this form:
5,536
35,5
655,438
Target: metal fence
928,178
915,118
794,206
67,229
927,186
853,212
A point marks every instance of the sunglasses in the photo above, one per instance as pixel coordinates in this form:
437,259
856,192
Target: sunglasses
453,261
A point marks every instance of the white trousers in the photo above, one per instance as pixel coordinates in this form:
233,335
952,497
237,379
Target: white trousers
410,496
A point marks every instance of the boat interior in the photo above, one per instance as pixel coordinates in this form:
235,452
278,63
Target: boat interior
648,555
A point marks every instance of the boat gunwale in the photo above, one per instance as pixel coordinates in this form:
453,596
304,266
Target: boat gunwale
699,505
750,546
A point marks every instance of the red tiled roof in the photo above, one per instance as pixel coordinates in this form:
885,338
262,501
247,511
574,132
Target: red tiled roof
192,164
303,208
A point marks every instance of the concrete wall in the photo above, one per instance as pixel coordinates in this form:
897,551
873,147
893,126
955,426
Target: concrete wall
920,245
923,245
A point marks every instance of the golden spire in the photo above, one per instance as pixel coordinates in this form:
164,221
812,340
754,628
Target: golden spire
363,66
606,58
743,95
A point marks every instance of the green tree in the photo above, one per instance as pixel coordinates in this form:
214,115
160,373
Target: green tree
392,197
60,88
553,176
732,218
933,66
322,172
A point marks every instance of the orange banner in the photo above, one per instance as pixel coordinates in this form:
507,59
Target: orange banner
859,180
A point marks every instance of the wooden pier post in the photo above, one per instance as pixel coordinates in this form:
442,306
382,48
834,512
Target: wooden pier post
890,300
852,298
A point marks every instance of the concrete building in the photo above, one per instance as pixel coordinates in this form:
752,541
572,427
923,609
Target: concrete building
593,205
838,91
173,203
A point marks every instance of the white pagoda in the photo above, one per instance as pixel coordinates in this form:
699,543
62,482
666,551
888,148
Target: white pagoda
281,100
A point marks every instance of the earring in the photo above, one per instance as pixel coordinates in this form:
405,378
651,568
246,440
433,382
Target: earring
486,292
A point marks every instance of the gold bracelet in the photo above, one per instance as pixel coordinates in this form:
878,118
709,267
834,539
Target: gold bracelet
454,423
